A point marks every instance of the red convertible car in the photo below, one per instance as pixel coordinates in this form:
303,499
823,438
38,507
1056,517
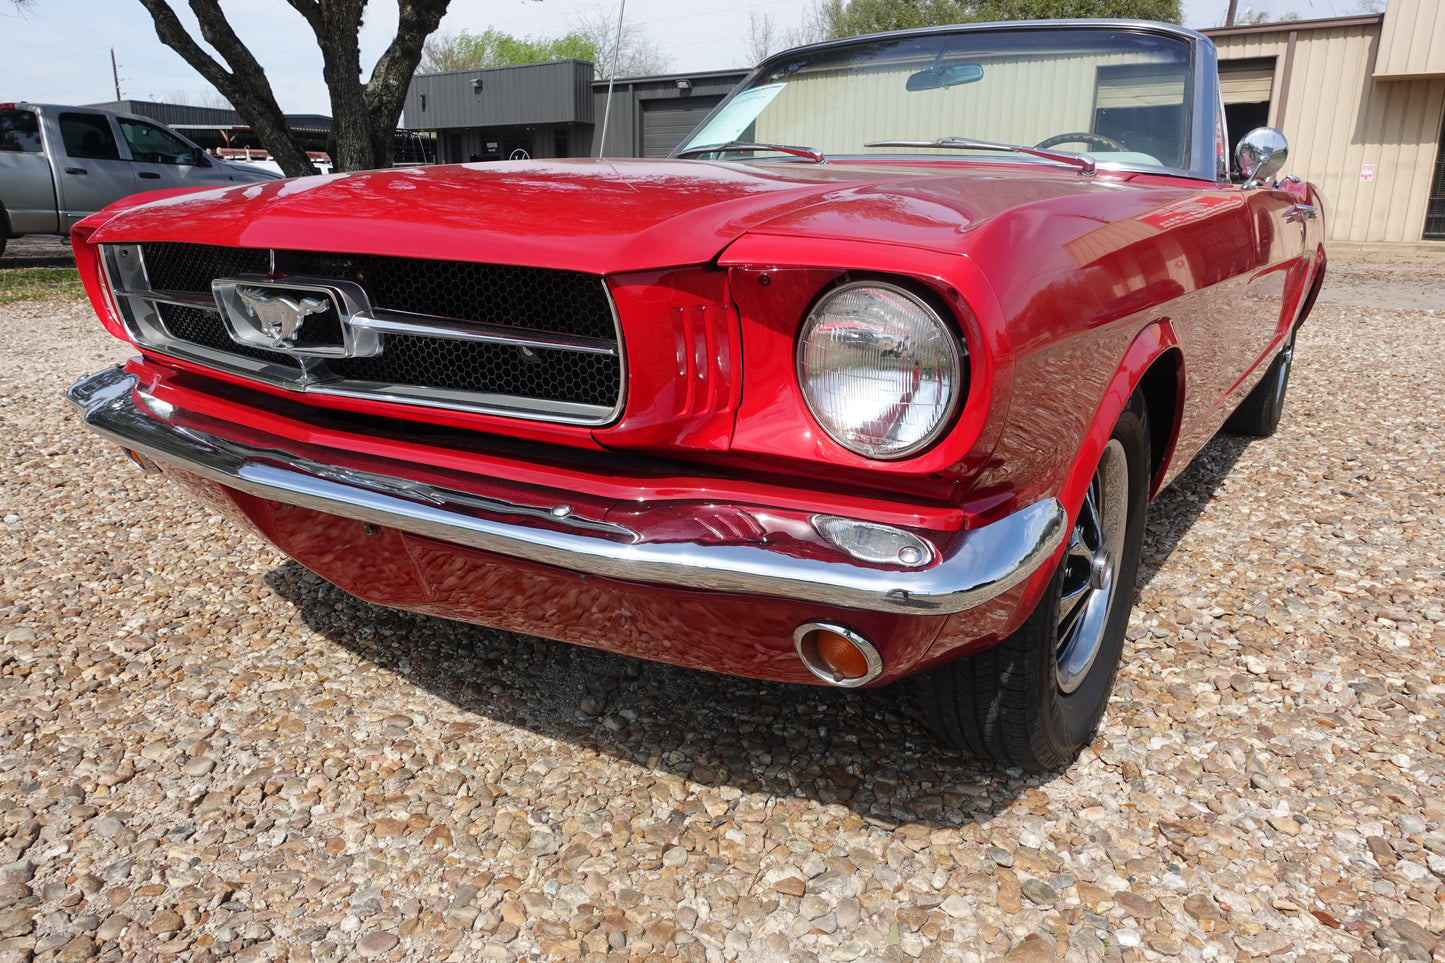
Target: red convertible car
873,378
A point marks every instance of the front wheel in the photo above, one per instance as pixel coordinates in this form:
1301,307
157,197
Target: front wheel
1036,699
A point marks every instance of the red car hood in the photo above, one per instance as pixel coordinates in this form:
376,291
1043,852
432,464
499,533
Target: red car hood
599,216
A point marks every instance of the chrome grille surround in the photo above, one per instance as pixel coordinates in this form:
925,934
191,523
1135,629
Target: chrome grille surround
531,343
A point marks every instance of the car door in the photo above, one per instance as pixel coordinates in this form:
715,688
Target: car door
1280,221
92,173
163,159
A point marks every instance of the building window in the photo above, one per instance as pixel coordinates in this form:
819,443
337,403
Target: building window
1435,211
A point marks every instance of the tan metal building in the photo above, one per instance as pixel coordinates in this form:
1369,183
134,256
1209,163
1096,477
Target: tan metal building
1362,102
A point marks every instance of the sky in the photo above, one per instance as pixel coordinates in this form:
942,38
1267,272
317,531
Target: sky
58,51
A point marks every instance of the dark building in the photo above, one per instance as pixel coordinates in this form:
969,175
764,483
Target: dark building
556,109
651,115
536,110
221,128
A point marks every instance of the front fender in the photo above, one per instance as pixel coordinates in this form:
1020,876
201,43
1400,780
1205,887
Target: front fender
1149,348
769,346
1151,364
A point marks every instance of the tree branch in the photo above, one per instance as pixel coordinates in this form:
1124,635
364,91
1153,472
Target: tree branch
244,85
391,77
311,10
174,35
364,116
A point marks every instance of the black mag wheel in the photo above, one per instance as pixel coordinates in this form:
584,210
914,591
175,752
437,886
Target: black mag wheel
1036,699
1259,413
1091,569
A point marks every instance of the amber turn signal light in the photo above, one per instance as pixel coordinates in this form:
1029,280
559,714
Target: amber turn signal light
840,655
140,461
837,655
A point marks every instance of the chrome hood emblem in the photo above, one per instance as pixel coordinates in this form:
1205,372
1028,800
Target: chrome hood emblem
279,315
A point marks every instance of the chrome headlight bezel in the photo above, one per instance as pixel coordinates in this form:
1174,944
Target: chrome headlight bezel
942,348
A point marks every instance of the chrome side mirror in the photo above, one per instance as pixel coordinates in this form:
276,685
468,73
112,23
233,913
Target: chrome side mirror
1260,154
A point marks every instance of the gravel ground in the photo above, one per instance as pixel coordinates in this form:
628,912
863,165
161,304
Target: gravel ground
208,753
37,250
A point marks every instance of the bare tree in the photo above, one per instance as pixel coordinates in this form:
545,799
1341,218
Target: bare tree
209,97
761,38
364,115
443,51
849,18
638,54
764,37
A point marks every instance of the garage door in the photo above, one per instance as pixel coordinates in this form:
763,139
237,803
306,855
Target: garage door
1248,81
666,122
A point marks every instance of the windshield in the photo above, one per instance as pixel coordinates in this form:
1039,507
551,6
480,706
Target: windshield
1121,95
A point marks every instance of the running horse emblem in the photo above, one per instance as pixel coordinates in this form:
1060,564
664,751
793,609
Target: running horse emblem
280,316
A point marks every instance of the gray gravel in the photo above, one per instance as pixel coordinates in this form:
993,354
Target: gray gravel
208,753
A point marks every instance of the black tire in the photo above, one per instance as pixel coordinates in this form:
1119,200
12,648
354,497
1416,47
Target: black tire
1035,700
1258,414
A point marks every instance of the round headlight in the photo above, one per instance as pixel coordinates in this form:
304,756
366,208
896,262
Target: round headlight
880,370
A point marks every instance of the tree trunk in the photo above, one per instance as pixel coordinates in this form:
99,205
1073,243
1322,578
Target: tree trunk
364,116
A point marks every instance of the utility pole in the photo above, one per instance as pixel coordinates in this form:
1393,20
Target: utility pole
115,72
1229,17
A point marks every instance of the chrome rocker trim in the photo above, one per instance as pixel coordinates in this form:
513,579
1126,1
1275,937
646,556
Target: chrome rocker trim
987,562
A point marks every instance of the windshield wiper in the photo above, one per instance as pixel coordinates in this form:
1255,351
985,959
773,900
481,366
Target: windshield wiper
812,154
1084,162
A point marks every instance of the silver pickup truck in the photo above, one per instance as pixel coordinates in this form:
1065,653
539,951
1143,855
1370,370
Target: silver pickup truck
59,164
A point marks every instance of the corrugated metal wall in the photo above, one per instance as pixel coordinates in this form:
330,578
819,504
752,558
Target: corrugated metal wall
1413,40
1370,145
550,93
186,115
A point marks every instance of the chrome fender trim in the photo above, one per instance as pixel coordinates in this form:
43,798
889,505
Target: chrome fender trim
986,562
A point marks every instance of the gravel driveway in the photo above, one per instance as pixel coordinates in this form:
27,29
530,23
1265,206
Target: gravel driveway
208,753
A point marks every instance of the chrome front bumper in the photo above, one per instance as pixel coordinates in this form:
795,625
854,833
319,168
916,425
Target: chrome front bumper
984,563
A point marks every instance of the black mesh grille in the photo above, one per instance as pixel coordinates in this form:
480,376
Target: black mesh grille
562,302
192,267
539,299
544,299
504,369
206,328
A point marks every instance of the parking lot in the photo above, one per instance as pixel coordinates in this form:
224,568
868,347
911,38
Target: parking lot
209,753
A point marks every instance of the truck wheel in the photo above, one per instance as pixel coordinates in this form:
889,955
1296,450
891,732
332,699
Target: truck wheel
1258,414
1035,700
